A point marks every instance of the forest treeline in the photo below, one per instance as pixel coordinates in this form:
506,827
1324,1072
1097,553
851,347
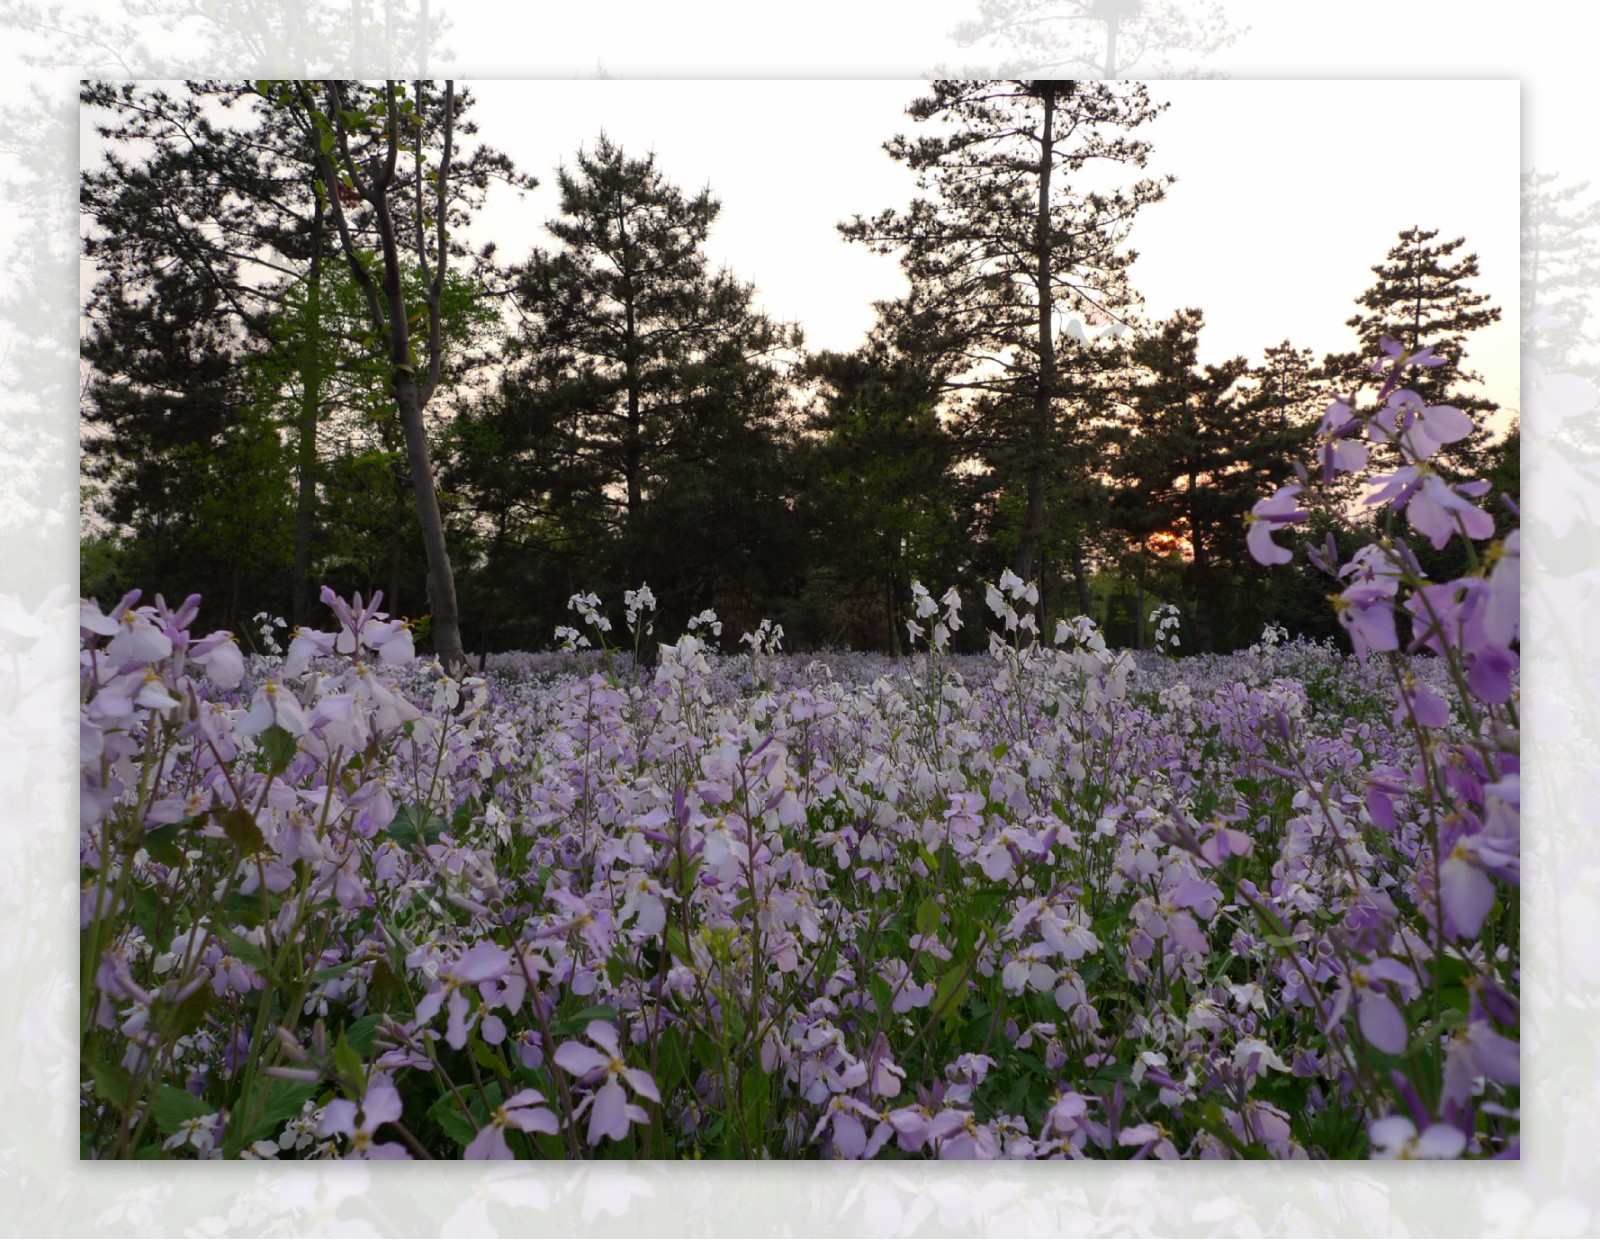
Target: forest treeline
297,374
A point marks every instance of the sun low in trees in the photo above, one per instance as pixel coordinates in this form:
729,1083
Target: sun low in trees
1018,225
1193,448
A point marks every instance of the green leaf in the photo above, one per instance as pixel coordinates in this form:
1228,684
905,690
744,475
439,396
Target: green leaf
951,992
335,970
163,843
360,1033
325,141
415,826
672,1062
929,914
175,1107
349,1064
756,1095
384,983
447,1114
484,1054
146,911
185,1016
113,1083
242,947
280,747
579,1021
239,825
280,1101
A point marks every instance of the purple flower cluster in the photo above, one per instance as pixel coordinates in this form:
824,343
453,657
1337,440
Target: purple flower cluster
1040,903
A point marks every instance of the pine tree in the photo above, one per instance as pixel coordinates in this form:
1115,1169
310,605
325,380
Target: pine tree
1016,229
1198,445
879,494
1421,299
204,178
187,463
659,373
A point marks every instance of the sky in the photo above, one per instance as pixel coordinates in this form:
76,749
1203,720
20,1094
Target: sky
1286,194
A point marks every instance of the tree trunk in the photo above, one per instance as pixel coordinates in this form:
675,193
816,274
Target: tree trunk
444,613
446,619
1033,517
1039,437
310,410
633,440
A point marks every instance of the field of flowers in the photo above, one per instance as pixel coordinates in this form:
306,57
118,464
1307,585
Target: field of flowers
1052,901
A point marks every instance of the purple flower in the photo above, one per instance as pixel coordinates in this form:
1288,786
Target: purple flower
1420,701
1438,512
273,707
1421,430
306,645
1502,609
844,1115
1381,1021
480,966
219,655
610,1112
1340,451
379,1106
1366,611
521,1111
1466,892
1398,359
1281,508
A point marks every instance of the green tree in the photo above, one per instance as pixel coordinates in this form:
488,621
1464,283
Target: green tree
1011,233
374,152
659,379
1422,298
1198,445
207,178
879,500
187,465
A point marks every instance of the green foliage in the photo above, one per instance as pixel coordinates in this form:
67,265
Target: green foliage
1422,297
1197,446
1003,244
637,433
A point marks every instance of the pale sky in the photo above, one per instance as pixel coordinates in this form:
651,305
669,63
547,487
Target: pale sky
1287,192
